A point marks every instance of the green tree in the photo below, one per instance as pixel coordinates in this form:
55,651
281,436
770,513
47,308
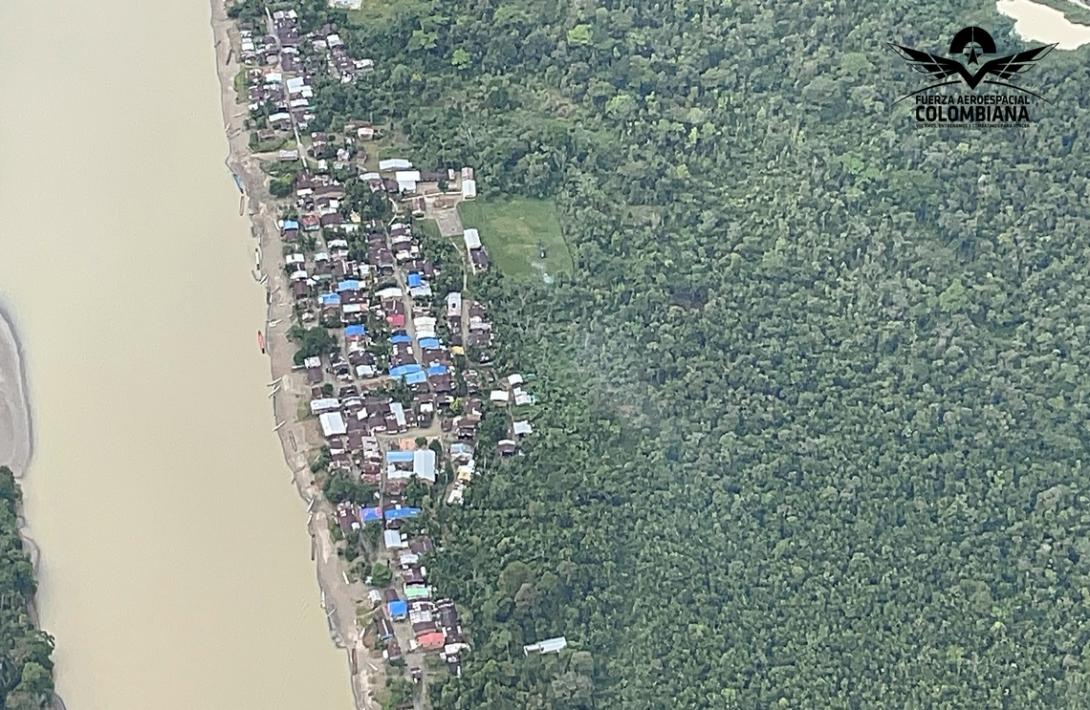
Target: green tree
381,575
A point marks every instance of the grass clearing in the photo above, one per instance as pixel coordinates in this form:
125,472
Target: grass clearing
515,231
383,12
242,85
391,145
430,228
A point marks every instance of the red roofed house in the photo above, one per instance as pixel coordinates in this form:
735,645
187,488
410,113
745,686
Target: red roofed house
432,641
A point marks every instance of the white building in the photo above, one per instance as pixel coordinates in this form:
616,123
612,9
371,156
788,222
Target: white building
454,304
553,645
395,164
472,239
333,424
424,464
407,179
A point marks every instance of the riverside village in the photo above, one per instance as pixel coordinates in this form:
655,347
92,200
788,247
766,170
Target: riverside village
393,369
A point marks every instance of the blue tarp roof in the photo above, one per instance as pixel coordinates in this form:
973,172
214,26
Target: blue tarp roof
434,370
402,370
353,331
415,280
290,224
399,339
399,457
430,343
398,609
348,285
370,515
415,378
330,299
402,513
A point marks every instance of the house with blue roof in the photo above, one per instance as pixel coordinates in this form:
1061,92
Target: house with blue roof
402,371
399,457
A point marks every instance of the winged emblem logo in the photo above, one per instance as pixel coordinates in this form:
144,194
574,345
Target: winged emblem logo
973,43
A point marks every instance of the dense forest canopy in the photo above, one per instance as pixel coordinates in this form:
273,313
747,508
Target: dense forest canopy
814,400
26,681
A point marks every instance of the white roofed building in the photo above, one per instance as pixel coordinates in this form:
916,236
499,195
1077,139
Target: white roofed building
394,164
553,645
472,239
407,179
333,424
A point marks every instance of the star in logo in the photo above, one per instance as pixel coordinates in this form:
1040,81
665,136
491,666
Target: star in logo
978,43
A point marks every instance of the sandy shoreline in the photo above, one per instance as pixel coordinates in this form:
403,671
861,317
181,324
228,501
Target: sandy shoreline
17,432
16,428
339,598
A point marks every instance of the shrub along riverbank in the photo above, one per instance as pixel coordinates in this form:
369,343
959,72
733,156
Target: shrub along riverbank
26,681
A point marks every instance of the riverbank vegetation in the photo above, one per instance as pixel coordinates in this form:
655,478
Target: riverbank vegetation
26,681
813,422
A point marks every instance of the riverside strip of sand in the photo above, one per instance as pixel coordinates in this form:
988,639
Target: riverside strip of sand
16,431
297,438
16,436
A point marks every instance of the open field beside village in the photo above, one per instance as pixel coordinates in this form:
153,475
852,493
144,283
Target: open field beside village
374,11
430,228
514,231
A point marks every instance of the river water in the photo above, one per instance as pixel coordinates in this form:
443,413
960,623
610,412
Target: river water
1040,23
176,568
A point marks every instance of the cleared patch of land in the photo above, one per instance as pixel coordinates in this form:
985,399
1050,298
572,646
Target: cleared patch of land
515,231
430,228
374,12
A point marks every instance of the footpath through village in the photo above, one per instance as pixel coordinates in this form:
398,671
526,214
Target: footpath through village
391,377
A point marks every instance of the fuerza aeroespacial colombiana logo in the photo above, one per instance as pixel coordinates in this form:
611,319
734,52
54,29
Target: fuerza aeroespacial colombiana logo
993,100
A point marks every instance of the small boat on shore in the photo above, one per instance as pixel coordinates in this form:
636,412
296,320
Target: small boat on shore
238,182
261,341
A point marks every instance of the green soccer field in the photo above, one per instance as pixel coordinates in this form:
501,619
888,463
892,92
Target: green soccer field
515,231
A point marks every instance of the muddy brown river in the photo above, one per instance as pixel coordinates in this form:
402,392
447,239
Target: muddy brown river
176,567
